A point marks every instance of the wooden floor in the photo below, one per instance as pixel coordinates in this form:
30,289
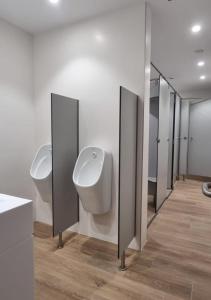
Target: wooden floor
150,208
175,264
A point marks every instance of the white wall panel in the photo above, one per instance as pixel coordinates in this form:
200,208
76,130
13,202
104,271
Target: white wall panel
16,111
90,61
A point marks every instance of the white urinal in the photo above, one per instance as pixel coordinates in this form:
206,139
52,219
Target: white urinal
41,172
92,177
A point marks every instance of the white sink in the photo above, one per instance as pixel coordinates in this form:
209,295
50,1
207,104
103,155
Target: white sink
16,219
16,249
9,202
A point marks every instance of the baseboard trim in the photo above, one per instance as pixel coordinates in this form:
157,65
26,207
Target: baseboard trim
43,230
198,178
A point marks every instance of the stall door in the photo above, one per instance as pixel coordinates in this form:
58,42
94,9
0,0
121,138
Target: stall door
199,154
176,140
163,142
171,137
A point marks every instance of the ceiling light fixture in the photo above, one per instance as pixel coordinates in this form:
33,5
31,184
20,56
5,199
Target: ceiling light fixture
99,37
196,28
201,63
202,77
199,51
54,2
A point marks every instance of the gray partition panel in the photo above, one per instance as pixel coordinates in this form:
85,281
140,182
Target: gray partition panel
153,137
176,139
64,156
184,134
171,142
127,169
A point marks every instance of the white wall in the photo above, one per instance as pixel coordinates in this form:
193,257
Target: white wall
16,111
89,61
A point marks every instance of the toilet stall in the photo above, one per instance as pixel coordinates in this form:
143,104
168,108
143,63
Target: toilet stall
164,141
195,139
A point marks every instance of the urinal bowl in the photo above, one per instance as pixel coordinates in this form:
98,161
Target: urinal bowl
41,172
92,177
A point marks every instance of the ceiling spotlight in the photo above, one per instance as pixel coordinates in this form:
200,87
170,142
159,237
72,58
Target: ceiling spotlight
201,63
99,37
199,51
54,1
196,28
203,77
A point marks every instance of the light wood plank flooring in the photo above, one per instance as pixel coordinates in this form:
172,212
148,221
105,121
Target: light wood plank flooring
175,264
150,208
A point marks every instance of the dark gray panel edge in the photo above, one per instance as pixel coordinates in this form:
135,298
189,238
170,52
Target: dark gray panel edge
68,214
125,238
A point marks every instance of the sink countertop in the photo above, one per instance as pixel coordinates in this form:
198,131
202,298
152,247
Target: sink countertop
10,202
16,221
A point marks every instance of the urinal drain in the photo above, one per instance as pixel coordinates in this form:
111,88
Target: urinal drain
94,155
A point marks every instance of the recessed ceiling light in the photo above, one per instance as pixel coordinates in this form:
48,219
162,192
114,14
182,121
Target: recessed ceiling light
54,1
199,51
201,63
202,77
99,37
196,28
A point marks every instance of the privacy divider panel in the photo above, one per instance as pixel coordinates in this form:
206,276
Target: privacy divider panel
127,168
163,142
184,134
176,139
65,116
171,142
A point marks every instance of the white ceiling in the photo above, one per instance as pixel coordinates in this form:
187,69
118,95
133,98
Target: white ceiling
173,44
39,15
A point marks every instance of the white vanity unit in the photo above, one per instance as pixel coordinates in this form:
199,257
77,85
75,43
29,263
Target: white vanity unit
16,249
